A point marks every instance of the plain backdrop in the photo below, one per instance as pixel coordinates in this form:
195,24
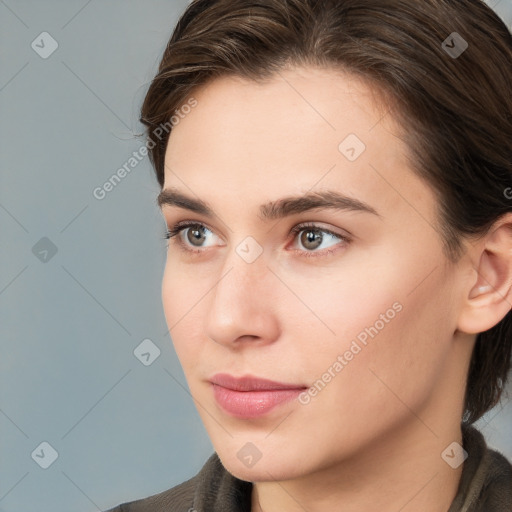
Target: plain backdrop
80,277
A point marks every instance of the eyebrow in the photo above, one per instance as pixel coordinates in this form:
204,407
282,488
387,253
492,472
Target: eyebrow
325,199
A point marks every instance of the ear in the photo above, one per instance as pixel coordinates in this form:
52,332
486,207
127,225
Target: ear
489,292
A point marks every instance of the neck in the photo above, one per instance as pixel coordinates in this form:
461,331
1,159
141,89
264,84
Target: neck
401,471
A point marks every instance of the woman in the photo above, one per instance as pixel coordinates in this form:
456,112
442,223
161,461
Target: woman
337,183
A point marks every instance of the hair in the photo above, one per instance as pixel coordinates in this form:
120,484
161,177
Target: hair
455,110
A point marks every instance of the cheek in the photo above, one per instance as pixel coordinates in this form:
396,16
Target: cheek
181,294
170,289
393,354
377,383
387,318
331,307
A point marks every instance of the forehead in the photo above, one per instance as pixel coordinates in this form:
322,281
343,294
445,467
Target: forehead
304,128
318,96
287,107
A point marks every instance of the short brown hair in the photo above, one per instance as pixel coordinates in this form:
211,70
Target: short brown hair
455,109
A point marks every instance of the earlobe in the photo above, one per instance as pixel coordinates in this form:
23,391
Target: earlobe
489,297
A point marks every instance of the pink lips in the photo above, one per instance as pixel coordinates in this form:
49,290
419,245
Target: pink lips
250,397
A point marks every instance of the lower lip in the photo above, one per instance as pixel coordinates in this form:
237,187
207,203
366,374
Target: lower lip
252,404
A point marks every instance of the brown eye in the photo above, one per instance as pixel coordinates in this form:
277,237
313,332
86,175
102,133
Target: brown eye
310,239
196,235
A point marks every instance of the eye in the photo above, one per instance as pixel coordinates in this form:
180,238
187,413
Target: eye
191,235
196,233
313,237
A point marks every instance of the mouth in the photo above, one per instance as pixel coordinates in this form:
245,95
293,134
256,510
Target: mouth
250,397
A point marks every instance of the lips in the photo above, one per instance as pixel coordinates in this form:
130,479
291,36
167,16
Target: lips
250,383
250,397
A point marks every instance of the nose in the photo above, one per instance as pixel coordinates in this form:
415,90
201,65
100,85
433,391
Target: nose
241,308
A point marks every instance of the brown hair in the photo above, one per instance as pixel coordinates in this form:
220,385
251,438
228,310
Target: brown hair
455,109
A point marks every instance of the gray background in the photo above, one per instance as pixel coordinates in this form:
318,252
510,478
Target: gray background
70,321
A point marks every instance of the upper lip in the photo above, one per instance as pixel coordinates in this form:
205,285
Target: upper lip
250,383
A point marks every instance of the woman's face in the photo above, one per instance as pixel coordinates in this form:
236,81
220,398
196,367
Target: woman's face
355,311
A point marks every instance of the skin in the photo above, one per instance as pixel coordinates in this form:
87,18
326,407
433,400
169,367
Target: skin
376,431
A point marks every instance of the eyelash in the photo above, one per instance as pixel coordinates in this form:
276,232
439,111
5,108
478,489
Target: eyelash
180,226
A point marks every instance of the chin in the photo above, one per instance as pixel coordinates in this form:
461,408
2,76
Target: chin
274,467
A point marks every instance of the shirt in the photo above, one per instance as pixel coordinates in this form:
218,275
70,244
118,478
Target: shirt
485,486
